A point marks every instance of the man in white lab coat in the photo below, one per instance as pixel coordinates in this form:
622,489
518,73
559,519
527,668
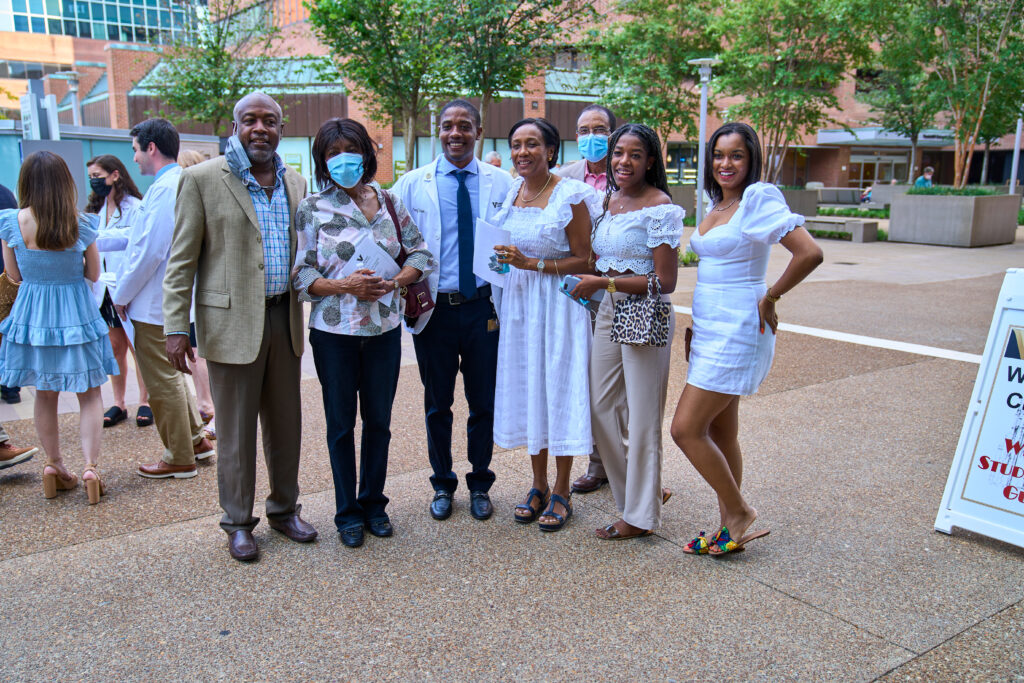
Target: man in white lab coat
445,197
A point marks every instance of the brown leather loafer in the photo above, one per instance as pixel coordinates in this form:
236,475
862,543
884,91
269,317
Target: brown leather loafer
588,484
204,449
163,470
294,528
242,546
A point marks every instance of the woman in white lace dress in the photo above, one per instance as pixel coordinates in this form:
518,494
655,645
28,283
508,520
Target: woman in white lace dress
637,234
734,320
544,348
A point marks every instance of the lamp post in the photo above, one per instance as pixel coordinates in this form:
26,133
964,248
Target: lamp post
705,64
72,80
1016,157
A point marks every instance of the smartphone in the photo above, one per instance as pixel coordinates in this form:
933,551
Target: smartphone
569,283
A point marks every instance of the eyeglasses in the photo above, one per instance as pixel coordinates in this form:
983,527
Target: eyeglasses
600,130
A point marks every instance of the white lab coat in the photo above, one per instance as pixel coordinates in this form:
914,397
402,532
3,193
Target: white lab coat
418,191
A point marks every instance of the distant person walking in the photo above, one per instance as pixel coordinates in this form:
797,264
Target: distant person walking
734,321
54,338
139,297
116,200
925,179
234,245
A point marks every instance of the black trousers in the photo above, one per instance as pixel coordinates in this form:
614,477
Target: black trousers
457,339
363,368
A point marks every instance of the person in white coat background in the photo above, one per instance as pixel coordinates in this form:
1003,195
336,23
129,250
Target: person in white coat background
445,198
139,297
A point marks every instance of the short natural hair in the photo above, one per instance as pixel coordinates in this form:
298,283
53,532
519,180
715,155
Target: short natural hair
46,188
161,132
753,146
929,169
462,104
124,185
491,156
547,130
236,111
603,109
342,129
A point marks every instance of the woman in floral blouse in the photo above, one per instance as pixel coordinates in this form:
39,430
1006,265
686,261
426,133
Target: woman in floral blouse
355,321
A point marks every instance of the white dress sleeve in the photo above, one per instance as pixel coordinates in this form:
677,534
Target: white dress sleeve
664,225
766,216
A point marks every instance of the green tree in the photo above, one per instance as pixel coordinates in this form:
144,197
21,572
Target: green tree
785,58
222,55
1000,119
638,64
900,93
496,45
977,55
390,53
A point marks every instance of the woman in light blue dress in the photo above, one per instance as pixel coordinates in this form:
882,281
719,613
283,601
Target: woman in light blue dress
54,338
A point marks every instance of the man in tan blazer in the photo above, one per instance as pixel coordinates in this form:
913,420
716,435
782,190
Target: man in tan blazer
234,237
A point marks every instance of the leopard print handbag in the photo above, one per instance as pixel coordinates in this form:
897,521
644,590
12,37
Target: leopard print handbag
642,319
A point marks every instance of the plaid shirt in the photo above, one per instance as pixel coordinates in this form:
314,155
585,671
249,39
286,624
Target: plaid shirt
274,219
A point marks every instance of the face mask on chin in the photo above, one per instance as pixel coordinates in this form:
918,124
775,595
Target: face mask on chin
593,148
346,169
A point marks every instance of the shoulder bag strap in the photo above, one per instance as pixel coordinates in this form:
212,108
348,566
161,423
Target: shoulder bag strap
398,228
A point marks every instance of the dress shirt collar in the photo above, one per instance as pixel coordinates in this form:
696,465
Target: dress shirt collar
163,170
445,167
598,181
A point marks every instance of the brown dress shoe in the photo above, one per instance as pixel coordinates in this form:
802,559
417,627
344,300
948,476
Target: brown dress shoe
242,546
294,528
204,449
11,455
588,484
163,470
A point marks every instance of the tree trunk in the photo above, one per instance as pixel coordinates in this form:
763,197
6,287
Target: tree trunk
913,158
485,109
409,135
984,163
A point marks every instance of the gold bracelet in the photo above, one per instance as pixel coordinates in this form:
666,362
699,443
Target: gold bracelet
555,264
768,295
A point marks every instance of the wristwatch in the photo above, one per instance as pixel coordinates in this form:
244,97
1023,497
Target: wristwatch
540,265
611,285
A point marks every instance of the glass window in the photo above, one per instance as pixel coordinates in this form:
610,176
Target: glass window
84,30
19,6
54,25
53,8
97,11
70,28
113,33
38,25
111,13
36,6
17,69
33,70
99,30
4,71
82,10
126,14
165,19
140,17
151,19
20,22
69,8
50,69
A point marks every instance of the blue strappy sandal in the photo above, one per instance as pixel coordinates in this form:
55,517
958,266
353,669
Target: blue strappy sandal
528,506
550,512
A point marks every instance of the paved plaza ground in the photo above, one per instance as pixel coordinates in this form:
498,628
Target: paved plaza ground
847,447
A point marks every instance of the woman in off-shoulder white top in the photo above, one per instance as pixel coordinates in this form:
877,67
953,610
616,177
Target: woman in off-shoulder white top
638,234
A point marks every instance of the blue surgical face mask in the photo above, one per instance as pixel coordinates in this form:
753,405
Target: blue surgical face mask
346,169
594,148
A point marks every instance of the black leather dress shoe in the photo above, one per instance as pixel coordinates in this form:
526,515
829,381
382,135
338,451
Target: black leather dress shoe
242,546
352,536
380,527
441,506
294,528
480,505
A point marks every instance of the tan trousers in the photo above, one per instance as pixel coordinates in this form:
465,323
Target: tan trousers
174,409
635,377
267,389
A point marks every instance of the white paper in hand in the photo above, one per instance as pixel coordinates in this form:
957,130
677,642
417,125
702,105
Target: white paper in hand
369,254
488,235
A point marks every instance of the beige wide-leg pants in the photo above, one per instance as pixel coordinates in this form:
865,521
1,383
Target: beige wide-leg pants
637,377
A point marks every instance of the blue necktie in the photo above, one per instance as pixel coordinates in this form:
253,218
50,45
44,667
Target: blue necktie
467,280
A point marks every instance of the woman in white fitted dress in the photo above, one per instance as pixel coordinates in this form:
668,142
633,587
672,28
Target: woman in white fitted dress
544,348
638,233
734,320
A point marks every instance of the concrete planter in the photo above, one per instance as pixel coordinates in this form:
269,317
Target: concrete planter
803,202
882,195
684,196
954,221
